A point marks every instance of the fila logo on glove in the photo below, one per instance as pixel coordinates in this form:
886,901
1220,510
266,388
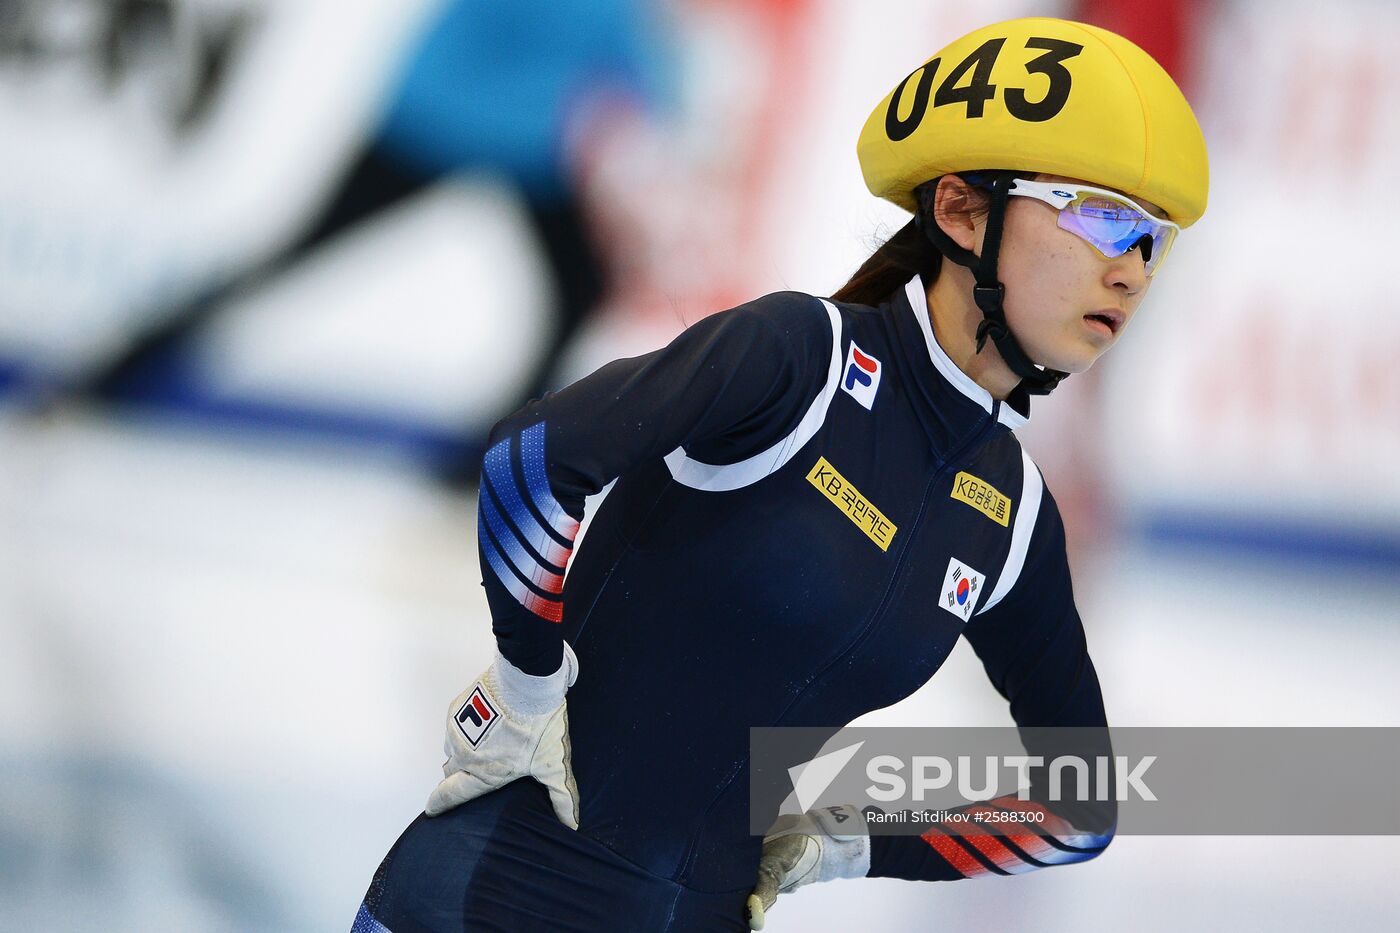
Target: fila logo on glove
862,378
476,717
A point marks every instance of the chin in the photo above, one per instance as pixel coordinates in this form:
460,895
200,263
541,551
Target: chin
1070,362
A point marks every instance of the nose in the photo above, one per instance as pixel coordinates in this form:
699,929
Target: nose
1127,273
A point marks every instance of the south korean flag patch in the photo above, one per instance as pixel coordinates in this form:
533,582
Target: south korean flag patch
961,587
476,717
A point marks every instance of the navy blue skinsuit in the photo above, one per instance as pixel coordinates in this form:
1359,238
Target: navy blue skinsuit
812,504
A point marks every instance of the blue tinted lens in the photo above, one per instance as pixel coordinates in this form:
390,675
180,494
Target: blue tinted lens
1113,227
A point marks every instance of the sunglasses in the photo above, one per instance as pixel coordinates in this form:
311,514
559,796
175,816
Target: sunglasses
1110,222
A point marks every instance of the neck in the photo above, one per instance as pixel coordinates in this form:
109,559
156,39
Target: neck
955,317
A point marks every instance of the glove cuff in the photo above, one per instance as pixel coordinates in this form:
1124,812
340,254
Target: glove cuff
846,850
527,694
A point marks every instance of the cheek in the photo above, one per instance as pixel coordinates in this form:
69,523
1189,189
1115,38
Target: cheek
1039,266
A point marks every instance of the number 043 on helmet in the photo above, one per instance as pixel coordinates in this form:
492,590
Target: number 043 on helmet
1040,95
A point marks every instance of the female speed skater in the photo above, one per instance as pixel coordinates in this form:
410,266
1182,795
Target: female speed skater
814,499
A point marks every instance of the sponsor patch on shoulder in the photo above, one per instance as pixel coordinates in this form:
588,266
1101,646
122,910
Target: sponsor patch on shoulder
861,379
848,499
477,716
961,587
982,496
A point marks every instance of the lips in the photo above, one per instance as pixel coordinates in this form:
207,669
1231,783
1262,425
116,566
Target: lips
1110,319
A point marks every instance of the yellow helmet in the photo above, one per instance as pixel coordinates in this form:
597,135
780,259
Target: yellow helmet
1040,95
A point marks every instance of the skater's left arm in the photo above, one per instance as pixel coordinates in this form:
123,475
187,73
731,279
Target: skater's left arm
1033,648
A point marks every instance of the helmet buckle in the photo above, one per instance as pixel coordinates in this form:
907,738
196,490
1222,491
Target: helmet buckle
989,298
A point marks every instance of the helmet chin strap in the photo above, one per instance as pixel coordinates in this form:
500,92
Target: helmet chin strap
988,292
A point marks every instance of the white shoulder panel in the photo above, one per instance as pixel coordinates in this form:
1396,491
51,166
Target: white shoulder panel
1031,488
726,477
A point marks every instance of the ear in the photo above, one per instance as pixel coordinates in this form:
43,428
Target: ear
955,205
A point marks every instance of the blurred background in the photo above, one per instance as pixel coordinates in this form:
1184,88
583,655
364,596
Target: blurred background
269,269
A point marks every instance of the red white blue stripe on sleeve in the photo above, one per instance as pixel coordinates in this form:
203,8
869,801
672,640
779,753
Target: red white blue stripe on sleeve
526,562
365,922
537,482
979,849
526,548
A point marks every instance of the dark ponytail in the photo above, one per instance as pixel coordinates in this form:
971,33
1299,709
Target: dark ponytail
906,254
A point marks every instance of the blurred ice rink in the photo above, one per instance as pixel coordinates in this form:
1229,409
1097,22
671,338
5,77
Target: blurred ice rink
233,610
227,663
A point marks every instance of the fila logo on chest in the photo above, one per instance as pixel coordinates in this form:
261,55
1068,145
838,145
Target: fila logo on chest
861,379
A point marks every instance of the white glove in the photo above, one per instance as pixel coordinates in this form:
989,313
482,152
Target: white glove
820,845
507,725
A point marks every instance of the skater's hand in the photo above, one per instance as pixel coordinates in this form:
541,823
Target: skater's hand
821,845
508,725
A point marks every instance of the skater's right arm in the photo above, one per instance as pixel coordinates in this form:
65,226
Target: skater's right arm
728,388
